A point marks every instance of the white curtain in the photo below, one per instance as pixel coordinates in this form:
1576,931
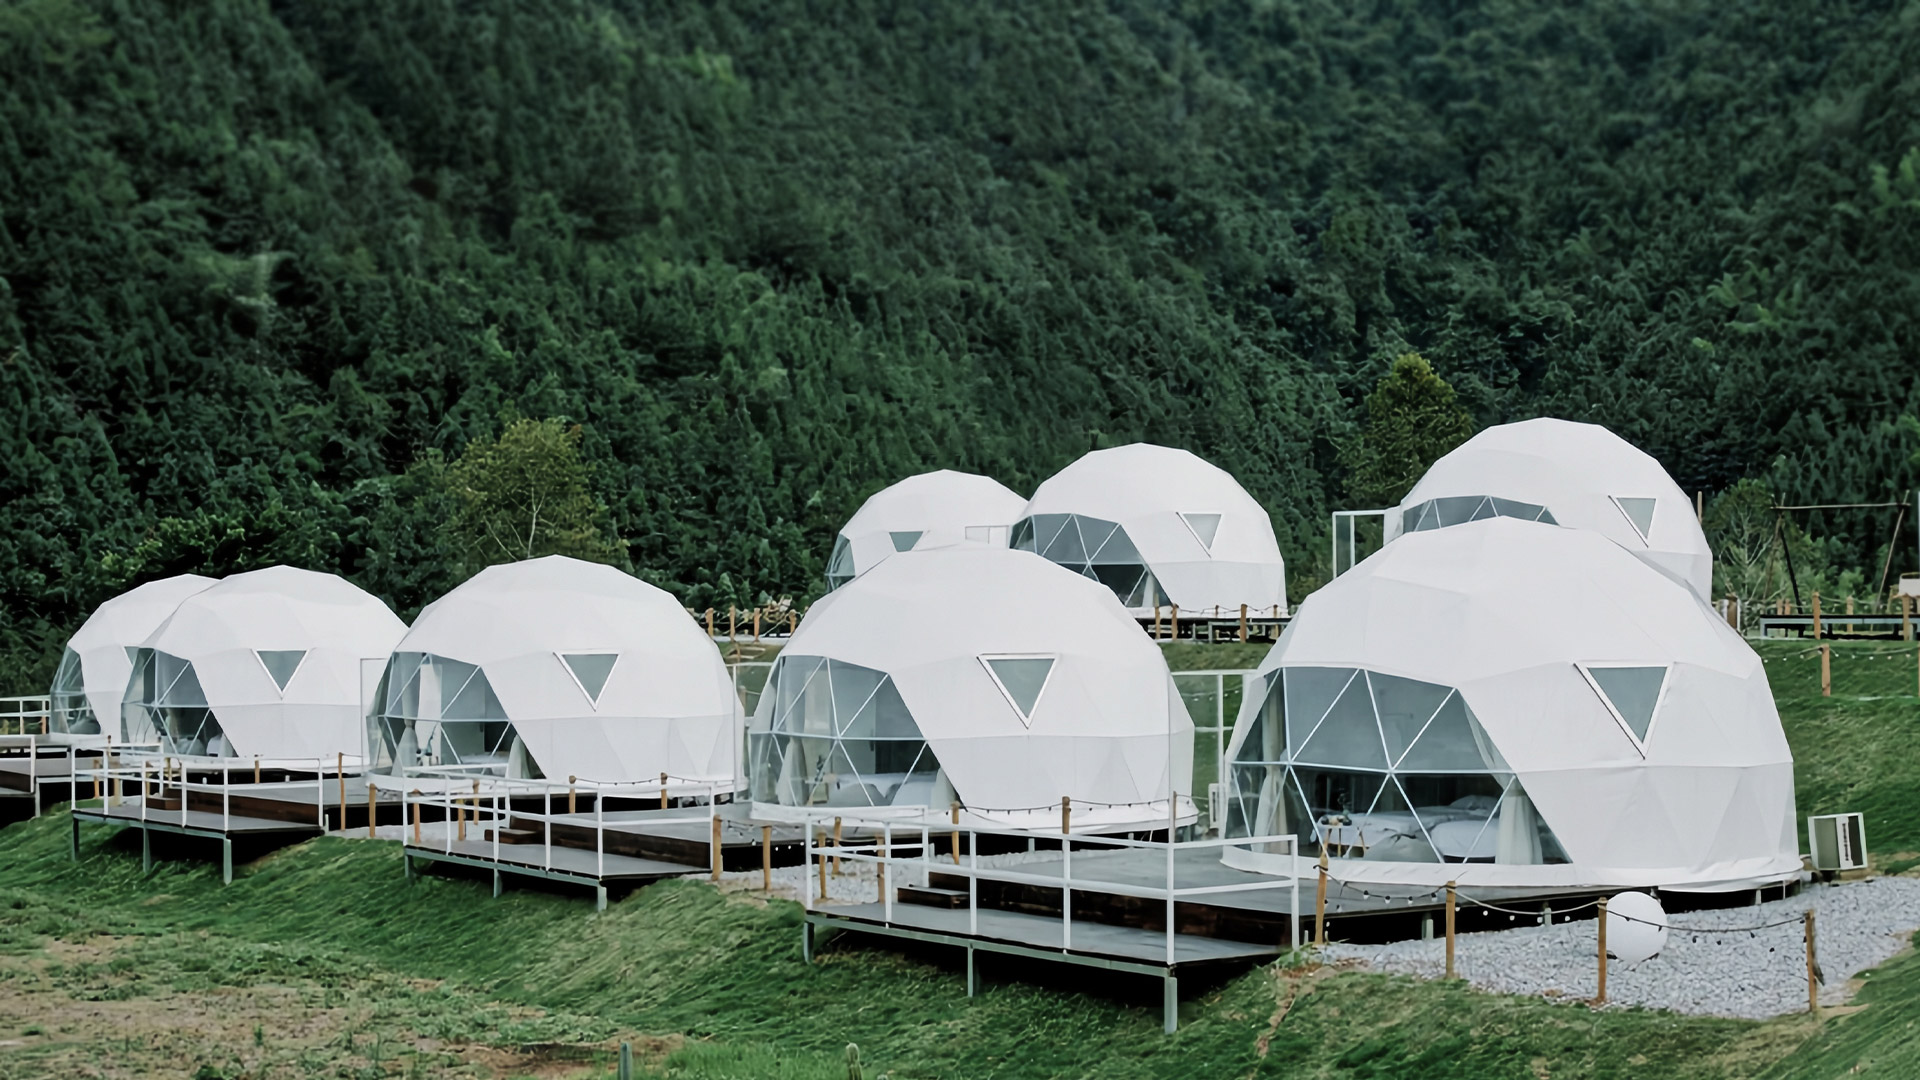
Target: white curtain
1519,836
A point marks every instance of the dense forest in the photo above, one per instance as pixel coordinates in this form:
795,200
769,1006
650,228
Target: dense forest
261,260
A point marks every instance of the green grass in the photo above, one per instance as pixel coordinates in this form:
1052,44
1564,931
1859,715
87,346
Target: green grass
712,985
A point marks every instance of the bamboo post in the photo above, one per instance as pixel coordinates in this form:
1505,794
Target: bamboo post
956,833
663,791
1813,982
1733,611
1826,670
1906,617
1320,902
756,626
1156,619
1816,616
1066,815
256,768
1243,622
1173,622
766,858
709,622
1700,507
1601,997
732,622
793,623
416,820
1450,908
370,814
460,819
716,847
571,780
836,847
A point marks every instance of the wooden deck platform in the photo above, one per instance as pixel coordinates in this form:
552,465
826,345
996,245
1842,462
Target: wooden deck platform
186,821
598,871
1835,625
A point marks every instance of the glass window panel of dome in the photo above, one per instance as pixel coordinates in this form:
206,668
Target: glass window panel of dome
1388,831
1546,515
1021,679
840,563
1348,736
1205,527
1438,799
1342,792
281,664
793,680
592,670
1634,693
1453,742
1066,546
892,718
853,688
1456,509
1311,691
1484,511
1266,739
904,541
1128,582
1518,834
1418,518
1404,706
183,690
1020,537
1041,530
1310,694
798,762
475,699
1639,512
403,684
1512,508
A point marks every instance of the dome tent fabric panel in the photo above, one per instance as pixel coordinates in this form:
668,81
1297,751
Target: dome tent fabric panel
1106,724
1578,475
1204,543
596,674
92,677
218,636
929,510
1704,801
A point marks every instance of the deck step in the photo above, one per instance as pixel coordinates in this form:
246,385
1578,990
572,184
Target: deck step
928,896
512,836
156,802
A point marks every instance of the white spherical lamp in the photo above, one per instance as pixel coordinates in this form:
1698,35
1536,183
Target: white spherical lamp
1636,927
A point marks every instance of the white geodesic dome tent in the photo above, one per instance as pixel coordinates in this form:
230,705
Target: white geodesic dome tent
98,659
1158,526
553,668
977,675
1578,475
932,509
1510,703
277,664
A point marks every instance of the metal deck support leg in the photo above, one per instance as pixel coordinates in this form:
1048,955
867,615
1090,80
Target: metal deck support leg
146,852
406,862
75,822
973,975
226,860
806,942
496,883
599,898
1171,992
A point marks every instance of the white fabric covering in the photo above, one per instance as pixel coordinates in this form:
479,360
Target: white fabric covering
102,646
1167,500
943,508
666,704
1587,478
1508,612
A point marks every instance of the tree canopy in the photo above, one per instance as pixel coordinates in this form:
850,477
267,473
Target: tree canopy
259,259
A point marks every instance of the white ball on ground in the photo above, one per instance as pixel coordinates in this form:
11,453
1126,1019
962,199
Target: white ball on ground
1636,928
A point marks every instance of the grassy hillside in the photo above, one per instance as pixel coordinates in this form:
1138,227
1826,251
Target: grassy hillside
321,960
258,259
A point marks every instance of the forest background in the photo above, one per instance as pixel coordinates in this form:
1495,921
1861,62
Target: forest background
270,270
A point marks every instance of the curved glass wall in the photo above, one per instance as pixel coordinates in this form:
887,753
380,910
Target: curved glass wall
840,564
829,733
1460,509
1370,766
165,705
72,712
1093,548
432,711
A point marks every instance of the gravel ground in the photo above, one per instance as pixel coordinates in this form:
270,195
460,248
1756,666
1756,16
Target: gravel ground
1755,975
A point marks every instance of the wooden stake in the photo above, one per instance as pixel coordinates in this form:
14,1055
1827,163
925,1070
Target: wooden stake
716,847
256,768
1450,906
731,618
1813,983
370,814
460,818
756,626
836,847
1816,616
766,858
709,622
1906,617
1066,815
663,791
793,623
1320,903
1601,997
1173,623
1700,506
416,818
956,833
571,780
1733,611
1826,670
1156,619
1243,622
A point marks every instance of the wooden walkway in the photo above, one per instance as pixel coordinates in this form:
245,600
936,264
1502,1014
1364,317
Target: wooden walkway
181,821
598,871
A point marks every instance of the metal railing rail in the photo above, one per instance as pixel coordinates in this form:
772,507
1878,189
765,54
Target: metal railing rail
155,776
31,714
883,852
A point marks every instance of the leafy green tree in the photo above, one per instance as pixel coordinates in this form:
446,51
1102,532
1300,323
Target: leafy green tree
1413,417
525,494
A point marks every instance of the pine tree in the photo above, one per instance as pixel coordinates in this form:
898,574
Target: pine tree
525,495
1412,419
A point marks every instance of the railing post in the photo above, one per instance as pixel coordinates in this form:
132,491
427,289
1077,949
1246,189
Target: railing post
599,839
340,771
1601,996
226,797
1170,910
663,791
547,792
766,858
973,884
1450,907
1066,893
371,816
886,895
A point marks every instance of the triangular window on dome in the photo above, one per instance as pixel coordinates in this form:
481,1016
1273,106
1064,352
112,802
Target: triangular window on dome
1639,512
591,671
281,664
840,563
1631,694
133,652
1205,527
1022,679
904,541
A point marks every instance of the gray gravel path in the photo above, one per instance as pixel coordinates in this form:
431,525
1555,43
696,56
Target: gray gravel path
1755,975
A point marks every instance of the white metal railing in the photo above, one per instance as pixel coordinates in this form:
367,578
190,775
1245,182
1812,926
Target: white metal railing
29,715
883,852
153,776
1205,693
490,801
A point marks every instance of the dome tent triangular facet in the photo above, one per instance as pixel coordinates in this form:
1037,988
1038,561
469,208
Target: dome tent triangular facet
1021,679
904,541
1639,511
1633,693
281,664
1205,527
592,671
